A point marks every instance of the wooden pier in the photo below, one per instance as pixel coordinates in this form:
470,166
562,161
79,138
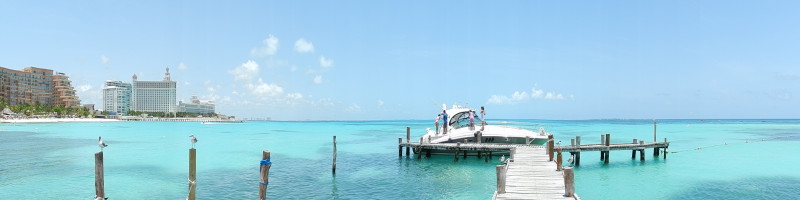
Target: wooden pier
534,171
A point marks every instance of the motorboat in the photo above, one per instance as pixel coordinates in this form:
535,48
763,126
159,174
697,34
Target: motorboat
461,130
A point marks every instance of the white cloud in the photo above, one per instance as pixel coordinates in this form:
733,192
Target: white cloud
324,62
186,83
268,48
262,89
104,59
303,46
84,88
295,96
380,103
246,71
182,67
353,108
318,79
521,96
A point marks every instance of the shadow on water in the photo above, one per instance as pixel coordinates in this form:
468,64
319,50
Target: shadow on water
748,188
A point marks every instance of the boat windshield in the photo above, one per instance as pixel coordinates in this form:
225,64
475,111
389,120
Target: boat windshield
460,120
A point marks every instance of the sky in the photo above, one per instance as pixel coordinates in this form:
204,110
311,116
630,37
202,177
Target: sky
397,60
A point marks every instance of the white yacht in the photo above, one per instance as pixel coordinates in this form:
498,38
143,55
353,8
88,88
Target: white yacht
460,130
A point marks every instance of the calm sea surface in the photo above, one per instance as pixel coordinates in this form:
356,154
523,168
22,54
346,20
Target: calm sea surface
149,160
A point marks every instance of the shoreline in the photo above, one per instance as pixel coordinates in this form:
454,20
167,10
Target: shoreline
57,120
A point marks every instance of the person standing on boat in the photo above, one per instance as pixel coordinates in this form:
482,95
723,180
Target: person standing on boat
444,125
472,120
483,118
436,122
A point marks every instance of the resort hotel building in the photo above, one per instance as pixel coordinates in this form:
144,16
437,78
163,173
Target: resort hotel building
149,96
40,85
154,96
196,106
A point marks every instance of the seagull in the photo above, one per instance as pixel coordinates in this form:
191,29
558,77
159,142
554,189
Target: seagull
570,158
101,143
193,139
559,143
503,158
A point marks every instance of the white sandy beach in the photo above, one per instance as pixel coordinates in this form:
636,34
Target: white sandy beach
56,120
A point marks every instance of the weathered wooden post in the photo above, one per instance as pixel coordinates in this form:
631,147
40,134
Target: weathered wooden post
501,179
408,140
559,161
458,147
602,143
578,153
641,153
608,143
513,152
569,182
480,138
633,152
192,173
265,165
333,168
399,147
99,182
654,131
550,145
665,149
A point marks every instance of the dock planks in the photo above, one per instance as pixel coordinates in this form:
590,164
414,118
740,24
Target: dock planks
532,176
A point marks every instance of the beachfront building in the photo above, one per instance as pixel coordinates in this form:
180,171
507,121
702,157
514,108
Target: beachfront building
33,84
117,97
63,92
196,106
154,96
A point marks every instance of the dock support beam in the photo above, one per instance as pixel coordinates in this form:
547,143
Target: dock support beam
408,139
602,143
633,152
641,155
399,147
569,182
501,179
99,182
333,168
192,173
265,165
458,147
559,161
550,146
578,153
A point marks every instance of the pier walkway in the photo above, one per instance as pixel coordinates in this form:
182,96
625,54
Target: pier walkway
532,176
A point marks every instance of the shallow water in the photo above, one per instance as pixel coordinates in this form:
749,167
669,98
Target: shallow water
148,160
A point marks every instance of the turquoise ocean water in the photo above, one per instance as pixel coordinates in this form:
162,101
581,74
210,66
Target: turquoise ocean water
149,160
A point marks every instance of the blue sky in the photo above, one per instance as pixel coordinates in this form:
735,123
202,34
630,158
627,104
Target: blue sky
364,60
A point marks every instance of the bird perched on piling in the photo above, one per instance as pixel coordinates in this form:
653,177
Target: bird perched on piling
193,139
101,143
503,159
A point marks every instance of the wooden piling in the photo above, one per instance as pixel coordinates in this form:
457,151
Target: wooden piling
265,165
641,155
569,182
578,154
501,179
550,146
480,137
458,147
665,149
408,139
633,152
192,173
399,147
559,161
99,182
513,152
602,143
654,131
333,167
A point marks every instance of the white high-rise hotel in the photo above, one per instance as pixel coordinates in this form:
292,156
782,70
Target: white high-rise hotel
154,96
117,97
